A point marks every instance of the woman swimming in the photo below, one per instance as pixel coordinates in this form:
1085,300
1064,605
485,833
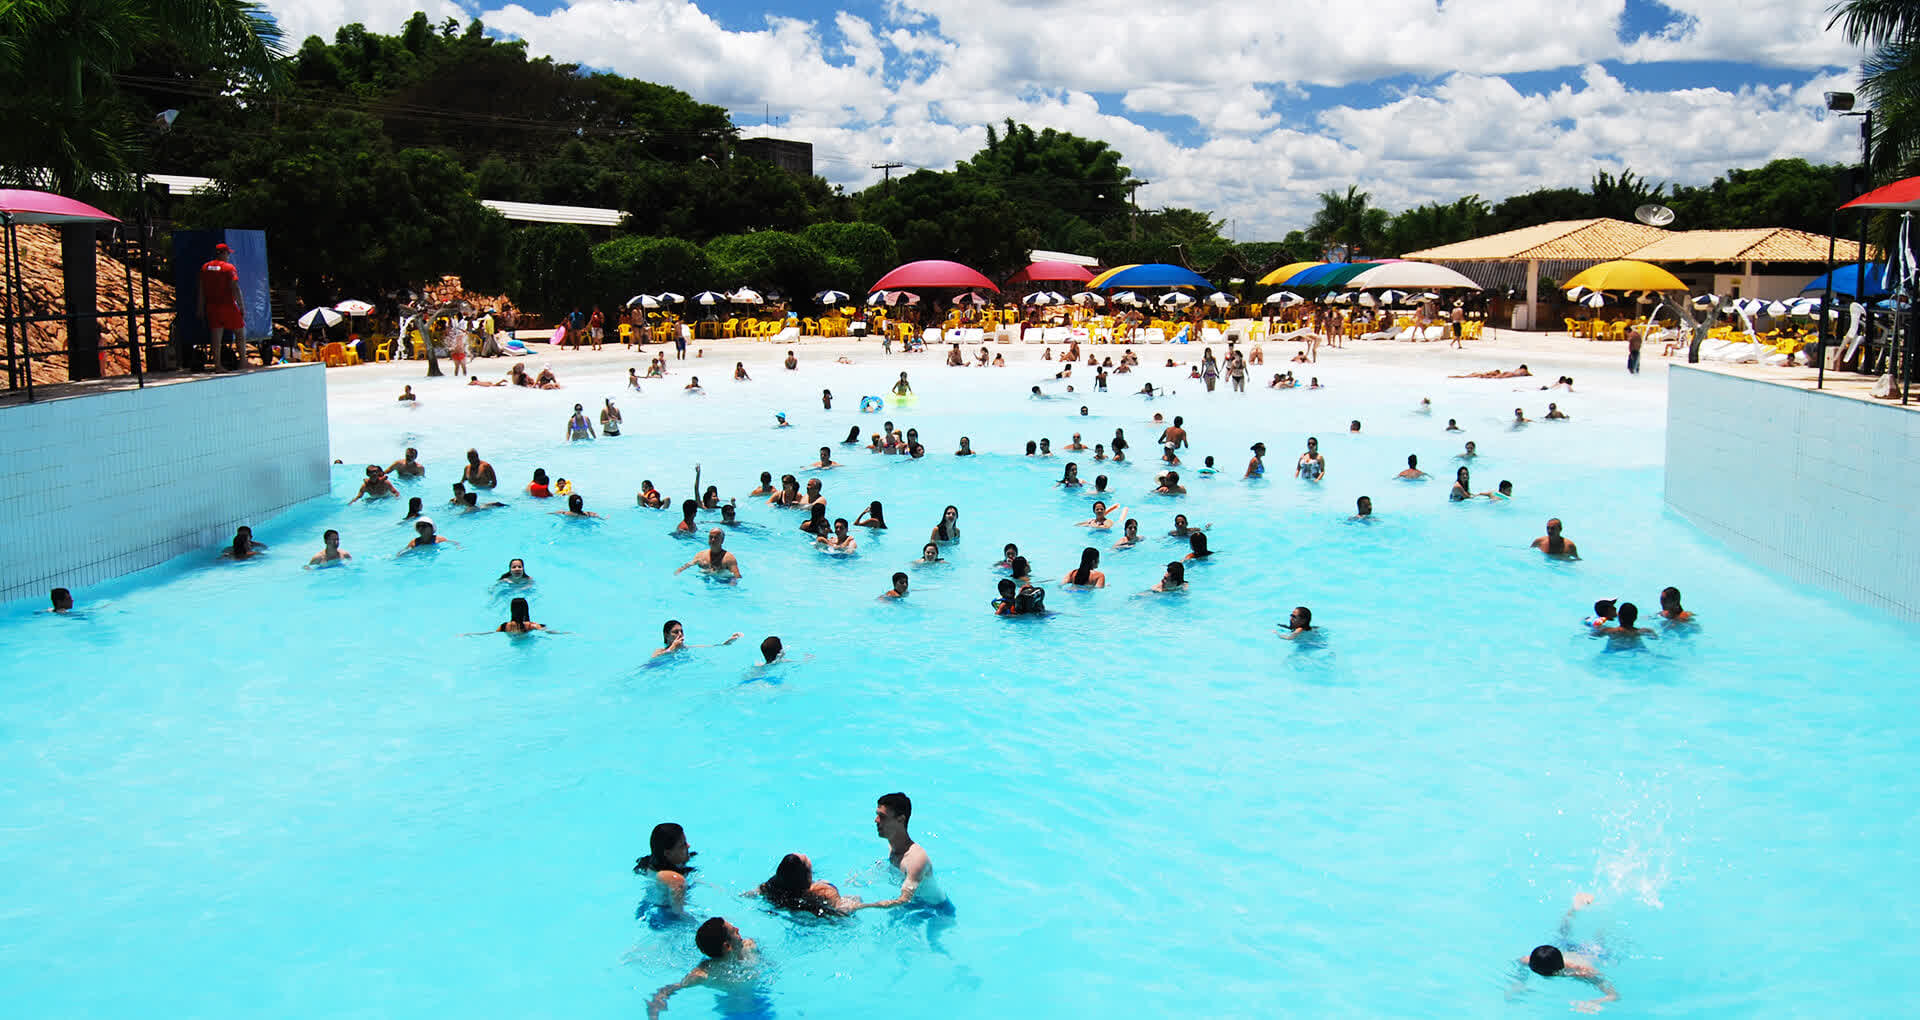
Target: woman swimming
667,861
1085,576
610,415
1071,478
1009,554
948,530
244,547
1462,486
576,507
710,500
1020,570
1175,579
516,573
853,436
872,517
1197,541
415,507
816,523
766,485
649,496
520,619
578,426
674,638
1129,534
1257,467
930,553
1102,516
794,888
966,448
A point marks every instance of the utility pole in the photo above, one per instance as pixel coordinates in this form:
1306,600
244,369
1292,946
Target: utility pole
1133,222
886,173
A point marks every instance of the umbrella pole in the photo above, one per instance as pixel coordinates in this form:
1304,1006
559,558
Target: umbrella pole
1826,305
6,260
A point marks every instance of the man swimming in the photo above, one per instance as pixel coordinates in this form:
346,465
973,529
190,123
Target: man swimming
890,816
1552,961
1670,608
478,473
1554,545
408,466
1299,623
330,553
729,966
714,559
899,589
1413,472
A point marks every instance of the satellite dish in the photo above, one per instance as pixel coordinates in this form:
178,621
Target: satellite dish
1654,215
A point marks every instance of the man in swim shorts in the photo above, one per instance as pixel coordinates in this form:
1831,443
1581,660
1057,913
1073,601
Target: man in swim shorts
715,559
917,885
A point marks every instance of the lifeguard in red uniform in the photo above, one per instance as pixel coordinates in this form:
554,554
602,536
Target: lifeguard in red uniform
220,305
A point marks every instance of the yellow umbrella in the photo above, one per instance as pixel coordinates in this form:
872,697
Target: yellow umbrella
1102,278
1625,274
1284,273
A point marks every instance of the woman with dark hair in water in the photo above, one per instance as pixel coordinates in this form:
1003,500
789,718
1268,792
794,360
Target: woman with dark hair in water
1085,576
872,517
576,507
1462,487
687,509
853,436
415,507
793,887
710,500
243,545
817,524
674,638
1175,579
667,861
948,530
1197,541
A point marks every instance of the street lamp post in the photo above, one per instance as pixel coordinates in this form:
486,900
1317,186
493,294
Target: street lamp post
1842,104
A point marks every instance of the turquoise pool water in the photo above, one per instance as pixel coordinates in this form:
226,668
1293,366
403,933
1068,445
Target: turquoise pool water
246,790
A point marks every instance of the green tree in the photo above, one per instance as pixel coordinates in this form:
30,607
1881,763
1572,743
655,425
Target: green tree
1784,193
947,216
1438,223
626,266
552,268
1350,221
861,252
772,259
1889,80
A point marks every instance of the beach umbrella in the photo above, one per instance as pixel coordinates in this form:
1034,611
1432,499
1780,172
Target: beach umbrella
1389,298
934,273
1280,276
1804,306
892,297
325,316
1220,299
1087,297
1749,306
970,298
1153,274
1175,300
353,307
1098,281
1039,298
668,297
745,296
1903,194
1051,272
20,206
1848,280
643,301
1284,297
1705,301
708,297
1591,299
1626,274
1778,308
1409,275
1125,297
831,297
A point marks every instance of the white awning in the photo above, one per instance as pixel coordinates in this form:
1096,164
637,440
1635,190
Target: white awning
1061,256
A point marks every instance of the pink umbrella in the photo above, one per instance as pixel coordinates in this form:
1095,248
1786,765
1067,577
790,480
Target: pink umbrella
1051,271
933,273
1898,195
19,206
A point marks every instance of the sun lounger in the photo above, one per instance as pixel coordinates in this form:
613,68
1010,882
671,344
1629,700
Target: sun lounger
1156,335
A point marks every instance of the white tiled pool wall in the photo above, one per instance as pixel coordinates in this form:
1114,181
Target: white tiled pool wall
1820,488
104,484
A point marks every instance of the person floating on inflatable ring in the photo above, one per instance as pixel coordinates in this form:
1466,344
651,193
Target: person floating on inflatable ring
871,405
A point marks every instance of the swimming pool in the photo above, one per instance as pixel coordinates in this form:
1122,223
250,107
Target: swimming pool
247,789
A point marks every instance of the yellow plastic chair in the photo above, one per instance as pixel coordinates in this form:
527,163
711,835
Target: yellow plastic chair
384,352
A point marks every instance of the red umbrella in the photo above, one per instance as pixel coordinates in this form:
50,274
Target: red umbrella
20,206
1051,271
933,273
1898,195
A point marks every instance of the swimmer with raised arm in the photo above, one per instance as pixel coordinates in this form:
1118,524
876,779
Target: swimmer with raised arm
917,884
1102,516
729,967
1552,961
714,559
675,637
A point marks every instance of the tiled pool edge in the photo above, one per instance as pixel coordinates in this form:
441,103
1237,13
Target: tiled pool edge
1816,487
103,484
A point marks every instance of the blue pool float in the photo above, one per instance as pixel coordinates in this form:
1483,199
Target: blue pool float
871,405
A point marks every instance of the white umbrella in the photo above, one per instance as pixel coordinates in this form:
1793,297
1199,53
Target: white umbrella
668,297
1591,299
1428,296
1037,298
1705,301
1220,299
1576,294
354,307
326,316
643,301
1284,297
831,297
898,297
1087,297
876,299
1338,299
707,297
1125,297
1369,300
970,298
1175,300
745,296
1778,308
1804,306
1412,274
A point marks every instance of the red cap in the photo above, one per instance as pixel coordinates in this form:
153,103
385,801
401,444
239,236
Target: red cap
222,249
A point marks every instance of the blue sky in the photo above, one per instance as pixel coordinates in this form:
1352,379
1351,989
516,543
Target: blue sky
1248,111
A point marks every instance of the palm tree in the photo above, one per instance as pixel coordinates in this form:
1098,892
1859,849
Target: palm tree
1349,220
1890,77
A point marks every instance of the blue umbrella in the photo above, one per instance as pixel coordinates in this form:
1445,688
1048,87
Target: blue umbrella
1157,274
1846,280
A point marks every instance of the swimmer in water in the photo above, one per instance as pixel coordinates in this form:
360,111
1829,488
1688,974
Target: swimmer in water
1311,465
1181,528
930,553
1551,961
1076,446
901,388
948,530
667,861
1257,467
1469,453
1175,578
1625,631
899,589
917,886
1102,517
1197,543
1413,472
874,516
675,638
838,540
1554,545
853,436
330,554
376,486
1520,418
1129,534
408,466
576,507
1299,623
1670,608
519,620
1071,478
478,473
1504,491
715,559
1604,613
966,448
579,426
780,420
1462,486
1003,604
765,487
793,887
826,460
772,650
425,537
1555,414
1454,426
1362,509
516,573
730,967
1170,485
244,547
62,601
1085,576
